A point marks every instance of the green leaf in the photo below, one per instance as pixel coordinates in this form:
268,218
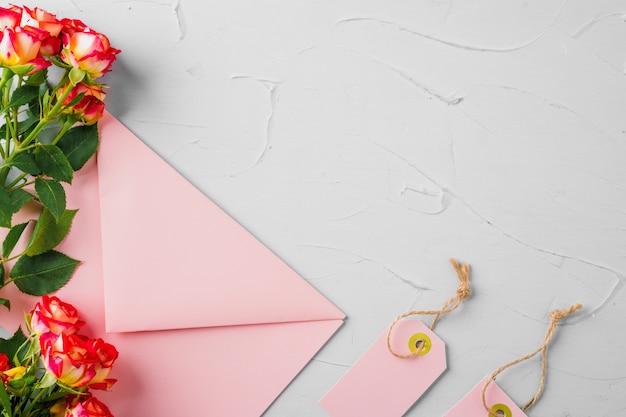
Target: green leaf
54,163
23,95
10,346
37,78
79,144
19,197
48,232
26,162
12,238
22,126
5,401
52,196
25,124
56,396
6,302
43,274
6,213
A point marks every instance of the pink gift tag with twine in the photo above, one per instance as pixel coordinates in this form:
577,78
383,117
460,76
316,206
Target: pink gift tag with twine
487,399
399,367
381,384
472,404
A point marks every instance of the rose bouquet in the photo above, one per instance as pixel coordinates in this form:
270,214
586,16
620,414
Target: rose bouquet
50,102
53,371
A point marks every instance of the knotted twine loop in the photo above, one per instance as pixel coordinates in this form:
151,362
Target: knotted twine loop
462,292
555,317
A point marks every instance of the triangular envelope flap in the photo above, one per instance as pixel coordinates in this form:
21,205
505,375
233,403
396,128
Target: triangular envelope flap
173,259
237,371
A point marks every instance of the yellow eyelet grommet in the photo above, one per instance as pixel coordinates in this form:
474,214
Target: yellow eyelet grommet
501,409
425,344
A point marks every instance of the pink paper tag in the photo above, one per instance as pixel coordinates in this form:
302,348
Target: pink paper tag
380,384
472,404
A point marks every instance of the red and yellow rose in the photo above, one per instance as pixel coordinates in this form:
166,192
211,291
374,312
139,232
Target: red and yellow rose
90,108
85,50
91,407
26,36
76,361
48,22
20,50
53,315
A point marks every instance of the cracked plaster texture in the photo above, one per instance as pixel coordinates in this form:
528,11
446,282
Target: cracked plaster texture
367,142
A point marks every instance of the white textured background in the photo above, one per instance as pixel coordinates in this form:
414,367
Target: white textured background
366,142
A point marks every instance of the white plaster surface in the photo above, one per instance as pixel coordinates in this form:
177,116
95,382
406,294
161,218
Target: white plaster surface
367,142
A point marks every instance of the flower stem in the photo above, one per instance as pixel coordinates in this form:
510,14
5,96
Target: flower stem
6,90
66,126
13,185
43,122
33,402
7,74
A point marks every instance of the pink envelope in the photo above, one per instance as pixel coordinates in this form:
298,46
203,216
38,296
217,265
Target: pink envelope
208,321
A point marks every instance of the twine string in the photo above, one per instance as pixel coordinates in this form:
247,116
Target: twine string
555,317
462,292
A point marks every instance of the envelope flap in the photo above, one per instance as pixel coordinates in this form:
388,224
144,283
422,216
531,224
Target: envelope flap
165,244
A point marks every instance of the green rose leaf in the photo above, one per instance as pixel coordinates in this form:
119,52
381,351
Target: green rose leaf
54,163
79,144
26,124
43,274
2,281
11,345
38,78
5,401
12,238
23,95
19,197
26,162
52,196
48,232
22,126
6,211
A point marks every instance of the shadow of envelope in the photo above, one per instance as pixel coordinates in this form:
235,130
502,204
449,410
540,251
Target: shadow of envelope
208,321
